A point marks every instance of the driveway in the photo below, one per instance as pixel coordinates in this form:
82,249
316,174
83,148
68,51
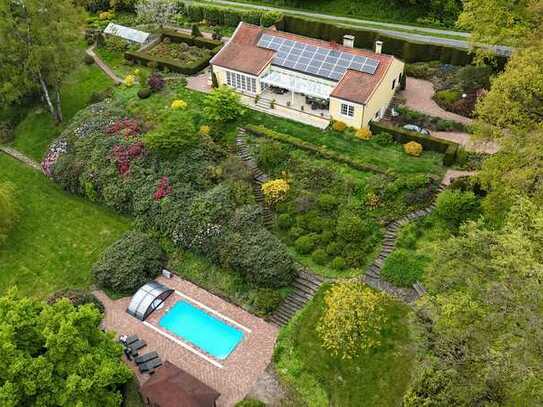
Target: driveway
418,95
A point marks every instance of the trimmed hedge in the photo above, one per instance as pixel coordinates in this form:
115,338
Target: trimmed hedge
304,145
172,64
448,148
408,51
225,16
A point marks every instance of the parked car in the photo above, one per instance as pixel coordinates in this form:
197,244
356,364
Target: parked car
417,129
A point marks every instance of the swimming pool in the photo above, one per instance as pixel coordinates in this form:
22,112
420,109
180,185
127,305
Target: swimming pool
208,333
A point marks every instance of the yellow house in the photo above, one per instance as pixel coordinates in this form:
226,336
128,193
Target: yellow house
319,78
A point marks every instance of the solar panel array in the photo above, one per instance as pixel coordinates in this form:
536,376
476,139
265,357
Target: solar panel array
319,61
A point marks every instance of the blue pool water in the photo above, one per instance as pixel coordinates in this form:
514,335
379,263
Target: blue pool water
198,327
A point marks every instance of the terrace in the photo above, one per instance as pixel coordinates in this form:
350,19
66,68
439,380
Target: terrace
234,376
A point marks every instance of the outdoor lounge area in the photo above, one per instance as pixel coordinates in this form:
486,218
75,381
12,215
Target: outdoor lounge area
232,376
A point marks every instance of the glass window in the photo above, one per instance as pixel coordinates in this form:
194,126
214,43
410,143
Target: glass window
394,84
347,110
241,82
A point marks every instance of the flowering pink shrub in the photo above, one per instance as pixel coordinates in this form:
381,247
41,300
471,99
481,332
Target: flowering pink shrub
125,127
123,155
164,189
55,150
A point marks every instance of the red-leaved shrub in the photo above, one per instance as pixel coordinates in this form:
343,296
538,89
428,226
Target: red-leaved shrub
125,127
123,155
164,189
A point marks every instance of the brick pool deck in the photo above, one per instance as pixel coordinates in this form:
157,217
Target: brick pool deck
239,371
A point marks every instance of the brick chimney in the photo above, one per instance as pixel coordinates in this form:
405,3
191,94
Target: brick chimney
348,41
378,47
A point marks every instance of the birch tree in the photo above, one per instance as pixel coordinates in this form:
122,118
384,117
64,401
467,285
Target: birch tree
38,49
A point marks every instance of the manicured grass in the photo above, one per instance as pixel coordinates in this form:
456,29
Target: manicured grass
378,378
36,131
58,237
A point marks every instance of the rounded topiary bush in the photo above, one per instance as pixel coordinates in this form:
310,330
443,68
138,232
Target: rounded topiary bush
403,268
88,59
305,244
456,207
319,256
338,263
363,134
265,301
129,263
144,93
339,126
413,148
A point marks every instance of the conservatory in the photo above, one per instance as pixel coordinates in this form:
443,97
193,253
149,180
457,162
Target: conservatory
127,33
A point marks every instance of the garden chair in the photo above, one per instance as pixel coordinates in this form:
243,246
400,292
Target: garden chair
150,366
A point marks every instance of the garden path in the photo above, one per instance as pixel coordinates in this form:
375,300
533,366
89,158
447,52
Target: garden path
21,157
102,65
372,277
465,140
418,95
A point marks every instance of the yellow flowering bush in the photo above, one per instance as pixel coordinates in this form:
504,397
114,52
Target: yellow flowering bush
339,126
353,320
129,80
363,133
275,191
205,130
413,148
372,200
106,15
179,104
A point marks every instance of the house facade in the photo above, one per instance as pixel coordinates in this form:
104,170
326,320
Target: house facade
317,77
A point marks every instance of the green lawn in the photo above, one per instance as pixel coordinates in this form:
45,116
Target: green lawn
58,237
377,379
36,131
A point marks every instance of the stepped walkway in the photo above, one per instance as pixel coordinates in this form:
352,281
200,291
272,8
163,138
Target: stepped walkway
373,274
257,175
21,157
304,288
102,65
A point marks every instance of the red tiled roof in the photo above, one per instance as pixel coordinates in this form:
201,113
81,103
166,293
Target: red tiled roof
244,55
241,53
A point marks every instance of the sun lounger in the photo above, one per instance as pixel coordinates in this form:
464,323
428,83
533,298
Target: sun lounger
135,346
150,366
146,358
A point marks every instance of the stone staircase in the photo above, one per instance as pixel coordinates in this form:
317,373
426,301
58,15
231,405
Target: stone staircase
304,288
257,175
264,102
373,274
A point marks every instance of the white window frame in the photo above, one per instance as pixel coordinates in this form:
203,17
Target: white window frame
349,109
241,82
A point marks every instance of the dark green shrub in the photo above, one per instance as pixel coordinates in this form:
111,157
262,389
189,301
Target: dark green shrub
334,248
177,133
295,232
382,139
328,202
473,77
403,268
144,93
285,221
129,263
319,256
456,207
305,244
271,156
195,31
338,263
326,237
422,70
6,132
447,96
265,301
77,297
353,229
88,59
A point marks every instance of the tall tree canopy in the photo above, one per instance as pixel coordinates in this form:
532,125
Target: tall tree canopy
501,21
486,300
38,49
56,355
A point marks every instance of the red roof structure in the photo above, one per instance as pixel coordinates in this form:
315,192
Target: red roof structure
171,386
242,54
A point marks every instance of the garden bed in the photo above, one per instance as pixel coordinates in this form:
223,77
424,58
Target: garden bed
178,52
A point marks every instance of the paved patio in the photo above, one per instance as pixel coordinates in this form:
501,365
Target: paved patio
239,372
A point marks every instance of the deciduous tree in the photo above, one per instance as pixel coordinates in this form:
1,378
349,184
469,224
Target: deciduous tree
353,319
57,355
38,49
